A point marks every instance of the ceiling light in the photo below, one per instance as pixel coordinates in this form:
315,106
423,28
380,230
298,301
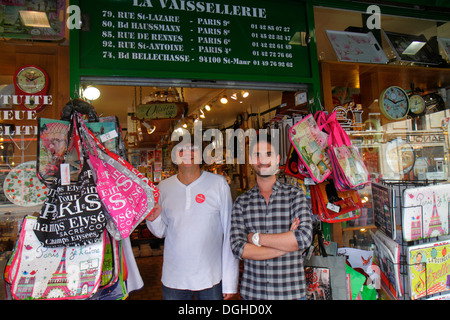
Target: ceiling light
35,19
234,96
208,107
202,114
91,93
184,125
413,48
245,94
224,100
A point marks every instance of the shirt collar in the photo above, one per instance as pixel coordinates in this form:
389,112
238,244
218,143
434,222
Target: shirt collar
275,187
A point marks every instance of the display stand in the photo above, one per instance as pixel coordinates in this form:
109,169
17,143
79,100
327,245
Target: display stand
417,278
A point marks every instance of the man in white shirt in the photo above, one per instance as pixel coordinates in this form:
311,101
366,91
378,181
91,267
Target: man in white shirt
194,214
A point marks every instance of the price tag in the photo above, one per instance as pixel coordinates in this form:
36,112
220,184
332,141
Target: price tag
333,207
65,174
108,136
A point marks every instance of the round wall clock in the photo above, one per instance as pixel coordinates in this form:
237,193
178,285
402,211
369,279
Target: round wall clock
417,105
394,103
31,81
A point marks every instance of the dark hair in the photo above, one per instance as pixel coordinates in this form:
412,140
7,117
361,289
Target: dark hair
264,138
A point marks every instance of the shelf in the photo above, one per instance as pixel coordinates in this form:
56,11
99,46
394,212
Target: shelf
371,79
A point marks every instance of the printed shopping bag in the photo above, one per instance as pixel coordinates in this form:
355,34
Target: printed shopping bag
318,285
335,265
331,214
73,213
337,202
37,272
349,170
110,268
128,199
56,139
118,290
311,144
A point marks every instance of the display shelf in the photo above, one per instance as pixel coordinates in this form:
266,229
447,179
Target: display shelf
371,79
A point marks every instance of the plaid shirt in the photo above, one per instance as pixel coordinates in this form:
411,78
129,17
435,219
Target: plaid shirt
283,277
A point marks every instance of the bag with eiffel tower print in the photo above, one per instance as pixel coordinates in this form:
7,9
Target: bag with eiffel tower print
38,273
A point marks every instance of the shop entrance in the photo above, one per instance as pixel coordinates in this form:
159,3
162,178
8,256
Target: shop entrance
246,106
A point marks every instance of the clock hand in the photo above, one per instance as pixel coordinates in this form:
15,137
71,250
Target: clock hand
395,102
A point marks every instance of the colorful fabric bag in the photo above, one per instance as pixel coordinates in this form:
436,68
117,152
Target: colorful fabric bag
335,267
127,199
311,144
56,139
60,273
73,213
334,206
349,170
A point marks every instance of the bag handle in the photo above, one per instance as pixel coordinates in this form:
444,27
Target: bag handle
81,107
318,231
338,137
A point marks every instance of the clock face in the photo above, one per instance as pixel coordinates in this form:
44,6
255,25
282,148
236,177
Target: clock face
394,103
31,80
417,104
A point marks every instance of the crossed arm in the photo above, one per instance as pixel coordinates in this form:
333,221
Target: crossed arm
272,245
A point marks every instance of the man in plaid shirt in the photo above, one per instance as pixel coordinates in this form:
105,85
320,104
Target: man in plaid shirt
271,226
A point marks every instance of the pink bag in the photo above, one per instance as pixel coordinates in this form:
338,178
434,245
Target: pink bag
311,144
127,198
63,273
349,170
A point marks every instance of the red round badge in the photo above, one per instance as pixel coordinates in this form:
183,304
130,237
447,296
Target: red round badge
200,198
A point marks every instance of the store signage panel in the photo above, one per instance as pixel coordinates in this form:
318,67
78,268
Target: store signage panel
245,40
160,110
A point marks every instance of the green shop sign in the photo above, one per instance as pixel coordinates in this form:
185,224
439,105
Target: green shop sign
158,110
251,40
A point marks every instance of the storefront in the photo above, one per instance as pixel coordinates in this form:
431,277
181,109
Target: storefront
161,66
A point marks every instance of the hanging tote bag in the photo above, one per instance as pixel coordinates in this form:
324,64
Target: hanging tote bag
127,199
333,267
332,210
73,213
311,144
55,139
349,169
54,274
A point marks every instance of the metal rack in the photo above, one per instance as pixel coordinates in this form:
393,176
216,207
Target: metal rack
403,265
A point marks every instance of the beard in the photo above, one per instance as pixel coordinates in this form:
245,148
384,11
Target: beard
265,171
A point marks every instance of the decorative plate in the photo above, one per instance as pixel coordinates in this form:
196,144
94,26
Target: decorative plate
23,188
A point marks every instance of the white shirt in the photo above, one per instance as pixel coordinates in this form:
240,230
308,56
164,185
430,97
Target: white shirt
195,221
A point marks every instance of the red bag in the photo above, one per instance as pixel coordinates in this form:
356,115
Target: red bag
332,205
